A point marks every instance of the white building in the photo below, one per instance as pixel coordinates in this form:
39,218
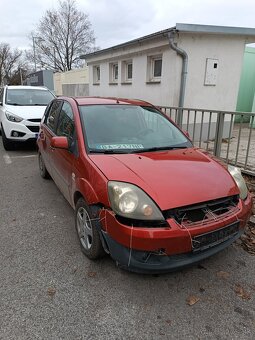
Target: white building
195,66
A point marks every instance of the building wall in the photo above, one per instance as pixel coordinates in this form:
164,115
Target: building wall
72,83
228,50
40,78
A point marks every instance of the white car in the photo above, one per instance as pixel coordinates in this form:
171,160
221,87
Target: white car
21,111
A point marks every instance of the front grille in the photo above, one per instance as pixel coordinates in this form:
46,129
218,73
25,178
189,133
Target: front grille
211,239
33,128
35,120
205,212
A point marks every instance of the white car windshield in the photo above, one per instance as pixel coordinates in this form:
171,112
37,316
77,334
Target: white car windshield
129,129
27,97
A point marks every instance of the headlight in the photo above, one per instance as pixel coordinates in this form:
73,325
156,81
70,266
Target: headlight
13,118
129,201
236,174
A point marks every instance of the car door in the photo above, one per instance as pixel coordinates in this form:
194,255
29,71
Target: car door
47,131
63,160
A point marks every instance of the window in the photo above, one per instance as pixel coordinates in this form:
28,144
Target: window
26,97
114,73
154,69
96,74
129,71
51,115
65,125
1,95
157,67
126,72
125,128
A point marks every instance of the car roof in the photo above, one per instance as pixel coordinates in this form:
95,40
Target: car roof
22,87
107,101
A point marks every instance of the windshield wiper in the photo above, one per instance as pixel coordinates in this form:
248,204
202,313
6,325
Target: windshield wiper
159,148
110,151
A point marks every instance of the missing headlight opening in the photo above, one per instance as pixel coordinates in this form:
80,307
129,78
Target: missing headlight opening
205,212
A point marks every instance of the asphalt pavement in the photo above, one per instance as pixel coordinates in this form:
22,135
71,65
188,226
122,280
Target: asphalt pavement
50,290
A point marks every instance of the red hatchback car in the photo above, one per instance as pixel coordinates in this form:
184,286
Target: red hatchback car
141,192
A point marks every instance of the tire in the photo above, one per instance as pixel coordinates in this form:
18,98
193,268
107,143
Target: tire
87,231
42,168
8,145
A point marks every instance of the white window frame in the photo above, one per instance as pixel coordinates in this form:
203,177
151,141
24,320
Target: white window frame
112,73
128,63
96,74
124,72
151,68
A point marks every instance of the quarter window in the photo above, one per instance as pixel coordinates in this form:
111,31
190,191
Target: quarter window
66,122
51,117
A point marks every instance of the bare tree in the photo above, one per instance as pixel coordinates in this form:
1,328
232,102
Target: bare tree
9,62
61,37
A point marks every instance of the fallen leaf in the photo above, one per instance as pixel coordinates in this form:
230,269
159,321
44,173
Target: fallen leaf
223,275
51,291
192,299
241,292
169,322
92,274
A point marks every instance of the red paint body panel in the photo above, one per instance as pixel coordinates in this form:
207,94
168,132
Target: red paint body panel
174,178
173,239
171,178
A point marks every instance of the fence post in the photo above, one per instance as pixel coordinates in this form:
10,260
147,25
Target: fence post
218,134
179,117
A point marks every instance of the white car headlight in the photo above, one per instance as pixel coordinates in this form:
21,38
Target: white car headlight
13,118
237,175
129,201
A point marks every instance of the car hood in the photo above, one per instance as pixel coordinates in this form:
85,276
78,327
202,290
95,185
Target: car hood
172,178
26,112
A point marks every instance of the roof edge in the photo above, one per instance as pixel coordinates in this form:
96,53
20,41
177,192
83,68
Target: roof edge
182,28
197,28
130,42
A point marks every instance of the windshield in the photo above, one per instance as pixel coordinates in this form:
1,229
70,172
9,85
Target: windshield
127,128
26,97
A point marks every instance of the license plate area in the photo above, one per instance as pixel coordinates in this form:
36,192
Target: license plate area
211,239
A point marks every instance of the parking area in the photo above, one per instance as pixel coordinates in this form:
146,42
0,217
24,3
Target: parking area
50,290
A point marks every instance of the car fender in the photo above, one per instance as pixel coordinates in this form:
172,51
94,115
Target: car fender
86,190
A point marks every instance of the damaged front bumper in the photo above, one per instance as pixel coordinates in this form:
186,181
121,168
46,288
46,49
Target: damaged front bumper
145,262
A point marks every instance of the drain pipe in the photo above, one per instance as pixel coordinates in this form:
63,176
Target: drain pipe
184,73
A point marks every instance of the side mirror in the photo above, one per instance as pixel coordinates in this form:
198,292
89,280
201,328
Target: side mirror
59,143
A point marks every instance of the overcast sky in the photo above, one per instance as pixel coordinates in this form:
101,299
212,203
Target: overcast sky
117,21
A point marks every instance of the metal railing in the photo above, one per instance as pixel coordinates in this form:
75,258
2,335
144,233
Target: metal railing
228,135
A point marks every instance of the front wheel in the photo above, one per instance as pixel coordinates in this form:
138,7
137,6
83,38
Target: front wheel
87,232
